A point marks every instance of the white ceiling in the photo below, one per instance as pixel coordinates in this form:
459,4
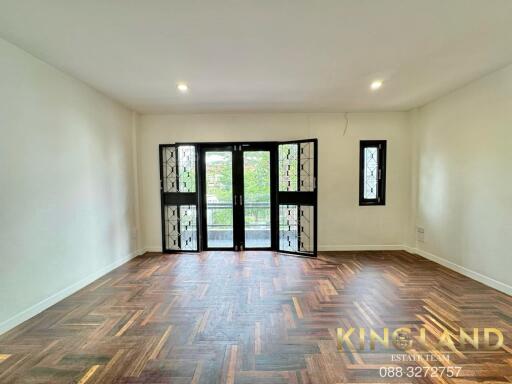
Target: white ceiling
266,55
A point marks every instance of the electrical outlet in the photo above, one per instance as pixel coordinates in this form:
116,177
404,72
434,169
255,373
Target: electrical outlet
420,234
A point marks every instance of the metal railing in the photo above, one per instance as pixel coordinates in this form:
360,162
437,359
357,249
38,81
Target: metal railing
260,211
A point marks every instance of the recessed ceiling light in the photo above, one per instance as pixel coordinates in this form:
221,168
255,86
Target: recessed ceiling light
182,87
376,85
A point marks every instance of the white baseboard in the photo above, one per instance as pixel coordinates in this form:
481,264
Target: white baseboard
62,294
153,248
489,281
409,249
396,247
324,248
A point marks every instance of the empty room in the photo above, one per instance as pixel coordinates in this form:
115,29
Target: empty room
255,191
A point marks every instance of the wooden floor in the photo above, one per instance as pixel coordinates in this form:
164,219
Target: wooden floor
253,317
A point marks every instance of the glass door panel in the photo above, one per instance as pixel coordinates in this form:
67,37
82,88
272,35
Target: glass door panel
257,202
219,199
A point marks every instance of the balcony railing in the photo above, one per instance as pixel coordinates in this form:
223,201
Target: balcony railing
220,224
257,215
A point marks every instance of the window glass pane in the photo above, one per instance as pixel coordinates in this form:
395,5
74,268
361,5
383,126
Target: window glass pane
188,227
172,232
288,228
306,161
371,166
288,164
219,199
257,199
169,169
181,227
306,228
297,228
187,168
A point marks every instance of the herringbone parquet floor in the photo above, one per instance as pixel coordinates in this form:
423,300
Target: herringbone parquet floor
253,317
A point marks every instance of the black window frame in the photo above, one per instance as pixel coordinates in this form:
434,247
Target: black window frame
381,146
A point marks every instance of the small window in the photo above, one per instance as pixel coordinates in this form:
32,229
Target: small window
372,172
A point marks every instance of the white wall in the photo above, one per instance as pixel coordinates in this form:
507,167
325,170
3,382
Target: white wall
463,161
343,224
67,185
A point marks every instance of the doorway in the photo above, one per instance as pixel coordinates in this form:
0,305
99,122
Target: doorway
239,196
237,184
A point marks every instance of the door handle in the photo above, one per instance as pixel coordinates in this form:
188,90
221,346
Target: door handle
239,200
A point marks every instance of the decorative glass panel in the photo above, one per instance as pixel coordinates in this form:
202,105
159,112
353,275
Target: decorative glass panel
371,166
188,227
306,167
288,164
288,224
306,225
181,227
296,167
187,168
179,168
169,169
296,228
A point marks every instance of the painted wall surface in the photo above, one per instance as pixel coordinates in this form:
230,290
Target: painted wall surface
67,183
463,152
343,224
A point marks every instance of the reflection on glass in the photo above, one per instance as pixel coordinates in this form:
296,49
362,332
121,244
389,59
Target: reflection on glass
257,199
219,199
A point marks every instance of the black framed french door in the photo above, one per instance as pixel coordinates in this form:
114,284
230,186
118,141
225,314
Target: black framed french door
238,199
237,196
218,175
297,197
179,195
258,180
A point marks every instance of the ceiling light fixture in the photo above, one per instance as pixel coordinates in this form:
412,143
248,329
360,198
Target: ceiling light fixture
182,87
376,85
